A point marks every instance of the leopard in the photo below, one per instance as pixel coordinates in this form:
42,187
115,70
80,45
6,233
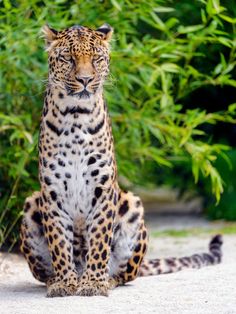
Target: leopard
81,234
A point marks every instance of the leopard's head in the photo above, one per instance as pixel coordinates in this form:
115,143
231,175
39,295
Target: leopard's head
78,59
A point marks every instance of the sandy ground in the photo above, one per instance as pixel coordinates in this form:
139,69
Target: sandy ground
208,290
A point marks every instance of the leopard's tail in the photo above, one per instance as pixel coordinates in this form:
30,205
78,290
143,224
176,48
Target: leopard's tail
174,264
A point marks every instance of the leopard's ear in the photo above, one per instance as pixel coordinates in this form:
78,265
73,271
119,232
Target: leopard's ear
106,31
49,34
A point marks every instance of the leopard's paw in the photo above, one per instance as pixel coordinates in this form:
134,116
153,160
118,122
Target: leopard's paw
114,282
62,288
92,288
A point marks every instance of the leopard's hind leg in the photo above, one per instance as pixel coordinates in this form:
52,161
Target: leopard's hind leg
130,240
33,242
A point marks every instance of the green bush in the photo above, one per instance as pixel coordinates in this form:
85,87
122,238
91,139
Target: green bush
226,208
162,52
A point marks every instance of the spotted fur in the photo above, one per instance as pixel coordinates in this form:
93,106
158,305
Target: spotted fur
81,234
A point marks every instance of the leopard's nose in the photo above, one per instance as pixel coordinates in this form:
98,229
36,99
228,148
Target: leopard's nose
84,80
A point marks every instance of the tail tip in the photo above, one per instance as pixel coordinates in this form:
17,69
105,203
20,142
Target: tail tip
217,239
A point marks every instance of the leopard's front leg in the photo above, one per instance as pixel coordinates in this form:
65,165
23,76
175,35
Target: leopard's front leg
58,228
94,280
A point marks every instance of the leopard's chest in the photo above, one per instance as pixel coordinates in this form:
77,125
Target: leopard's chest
76,151
79,163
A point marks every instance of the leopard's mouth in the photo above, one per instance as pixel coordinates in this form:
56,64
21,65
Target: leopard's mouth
83,94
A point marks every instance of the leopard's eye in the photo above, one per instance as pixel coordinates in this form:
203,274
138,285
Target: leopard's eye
66,57
97,57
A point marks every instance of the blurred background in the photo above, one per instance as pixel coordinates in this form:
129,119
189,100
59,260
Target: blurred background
171,95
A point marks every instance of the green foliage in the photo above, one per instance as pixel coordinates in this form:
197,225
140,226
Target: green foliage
226,208
160,56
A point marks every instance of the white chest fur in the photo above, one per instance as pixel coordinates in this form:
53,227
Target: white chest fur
75,155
